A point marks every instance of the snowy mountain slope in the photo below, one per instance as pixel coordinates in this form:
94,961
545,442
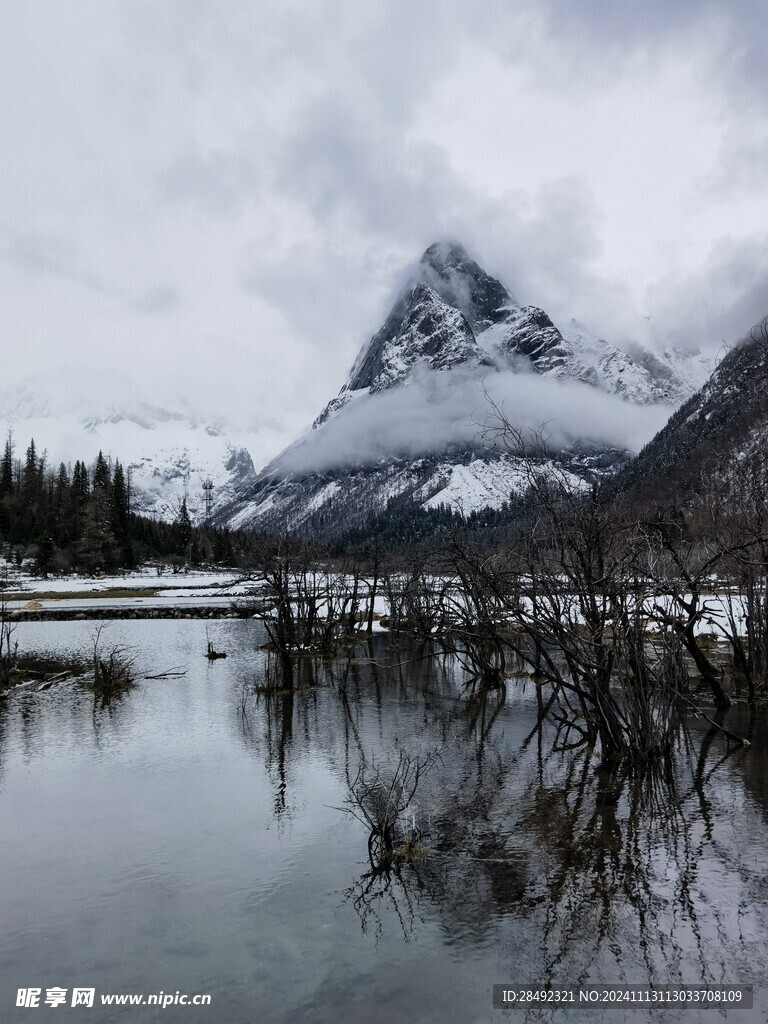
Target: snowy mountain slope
686,370
722,427
324,505
168,451
404,421
573,352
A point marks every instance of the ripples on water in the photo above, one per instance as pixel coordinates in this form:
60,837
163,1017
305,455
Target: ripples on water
193,837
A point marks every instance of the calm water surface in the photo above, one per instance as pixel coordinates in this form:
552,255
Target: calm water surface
193,838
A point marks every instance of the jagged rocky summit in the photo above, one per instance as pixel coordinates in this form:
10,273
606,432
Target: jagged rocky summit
400,426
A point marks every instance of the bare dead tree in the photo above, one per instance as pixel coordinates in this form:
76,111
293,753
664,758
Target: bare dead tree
581,611
681,571
8,647
311,604
738,509
480,591
382,799
113,668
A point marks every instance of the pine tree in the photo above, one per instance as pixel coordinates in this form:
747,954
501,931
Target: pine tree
45,555
120,507
222,548
6,468
101,474
30,472
60,507
97,548
6,486
74,523
183,529
28,524
121,515
78,498
81,485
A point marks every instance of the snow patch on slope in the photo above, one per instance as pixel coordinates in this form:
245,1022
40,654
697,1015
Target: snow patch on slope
479,485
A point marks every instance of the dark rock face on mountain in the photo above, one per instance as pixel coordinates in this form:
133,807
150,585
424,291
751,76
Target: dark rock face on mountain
421,327
451,324
240,467
463,284
530,332
722,426
433,321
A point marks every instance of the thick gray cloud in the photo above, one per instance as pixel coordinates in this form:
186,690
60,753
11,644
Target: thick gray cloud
738,31
157,300
720,300
40,254
232,194
436,409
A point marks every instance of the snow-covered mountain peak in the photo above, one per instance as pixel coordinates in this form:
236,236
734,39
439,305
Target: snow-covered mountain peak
435,322
430,330
445,254
452,313
405,422
461,282
422,330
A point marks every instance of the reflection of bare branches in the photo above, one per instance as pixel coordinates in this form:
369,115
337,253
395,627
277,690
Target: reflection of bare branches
279,720
243,708
483,708
601,835
606,869
382,800
396,886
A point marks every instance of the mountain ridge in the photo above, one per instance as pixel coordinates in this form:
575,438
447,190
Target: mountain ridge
168,450
451,325
722,427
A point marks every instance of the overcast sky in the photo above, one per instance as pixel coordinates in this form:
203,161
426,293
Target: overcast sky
223,196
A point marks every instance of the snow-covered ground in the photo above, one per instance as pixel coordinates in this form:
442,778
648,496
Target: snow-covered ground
201,599
21,578
218,588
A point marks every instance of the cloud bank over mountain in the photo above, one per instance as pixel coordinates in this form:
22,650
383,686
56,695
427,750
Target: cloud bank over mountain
438,409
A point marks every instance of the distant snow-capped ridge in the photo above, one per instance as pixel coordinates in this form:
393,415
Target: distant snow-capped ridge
167,450
403,422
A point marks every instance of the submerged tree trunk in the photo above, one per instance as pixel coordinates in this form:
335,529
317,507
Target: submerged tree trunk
708,672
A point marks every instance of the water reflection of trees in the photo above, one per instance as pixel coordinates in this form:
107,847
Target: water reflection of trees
382,798
270,717
608,870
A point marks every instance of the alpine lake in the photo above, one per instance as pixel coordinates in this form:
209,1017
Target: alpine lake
197,835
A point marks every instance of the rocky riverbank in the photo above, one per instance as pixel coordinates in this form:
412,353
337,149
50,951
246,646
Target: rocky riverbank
53,614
